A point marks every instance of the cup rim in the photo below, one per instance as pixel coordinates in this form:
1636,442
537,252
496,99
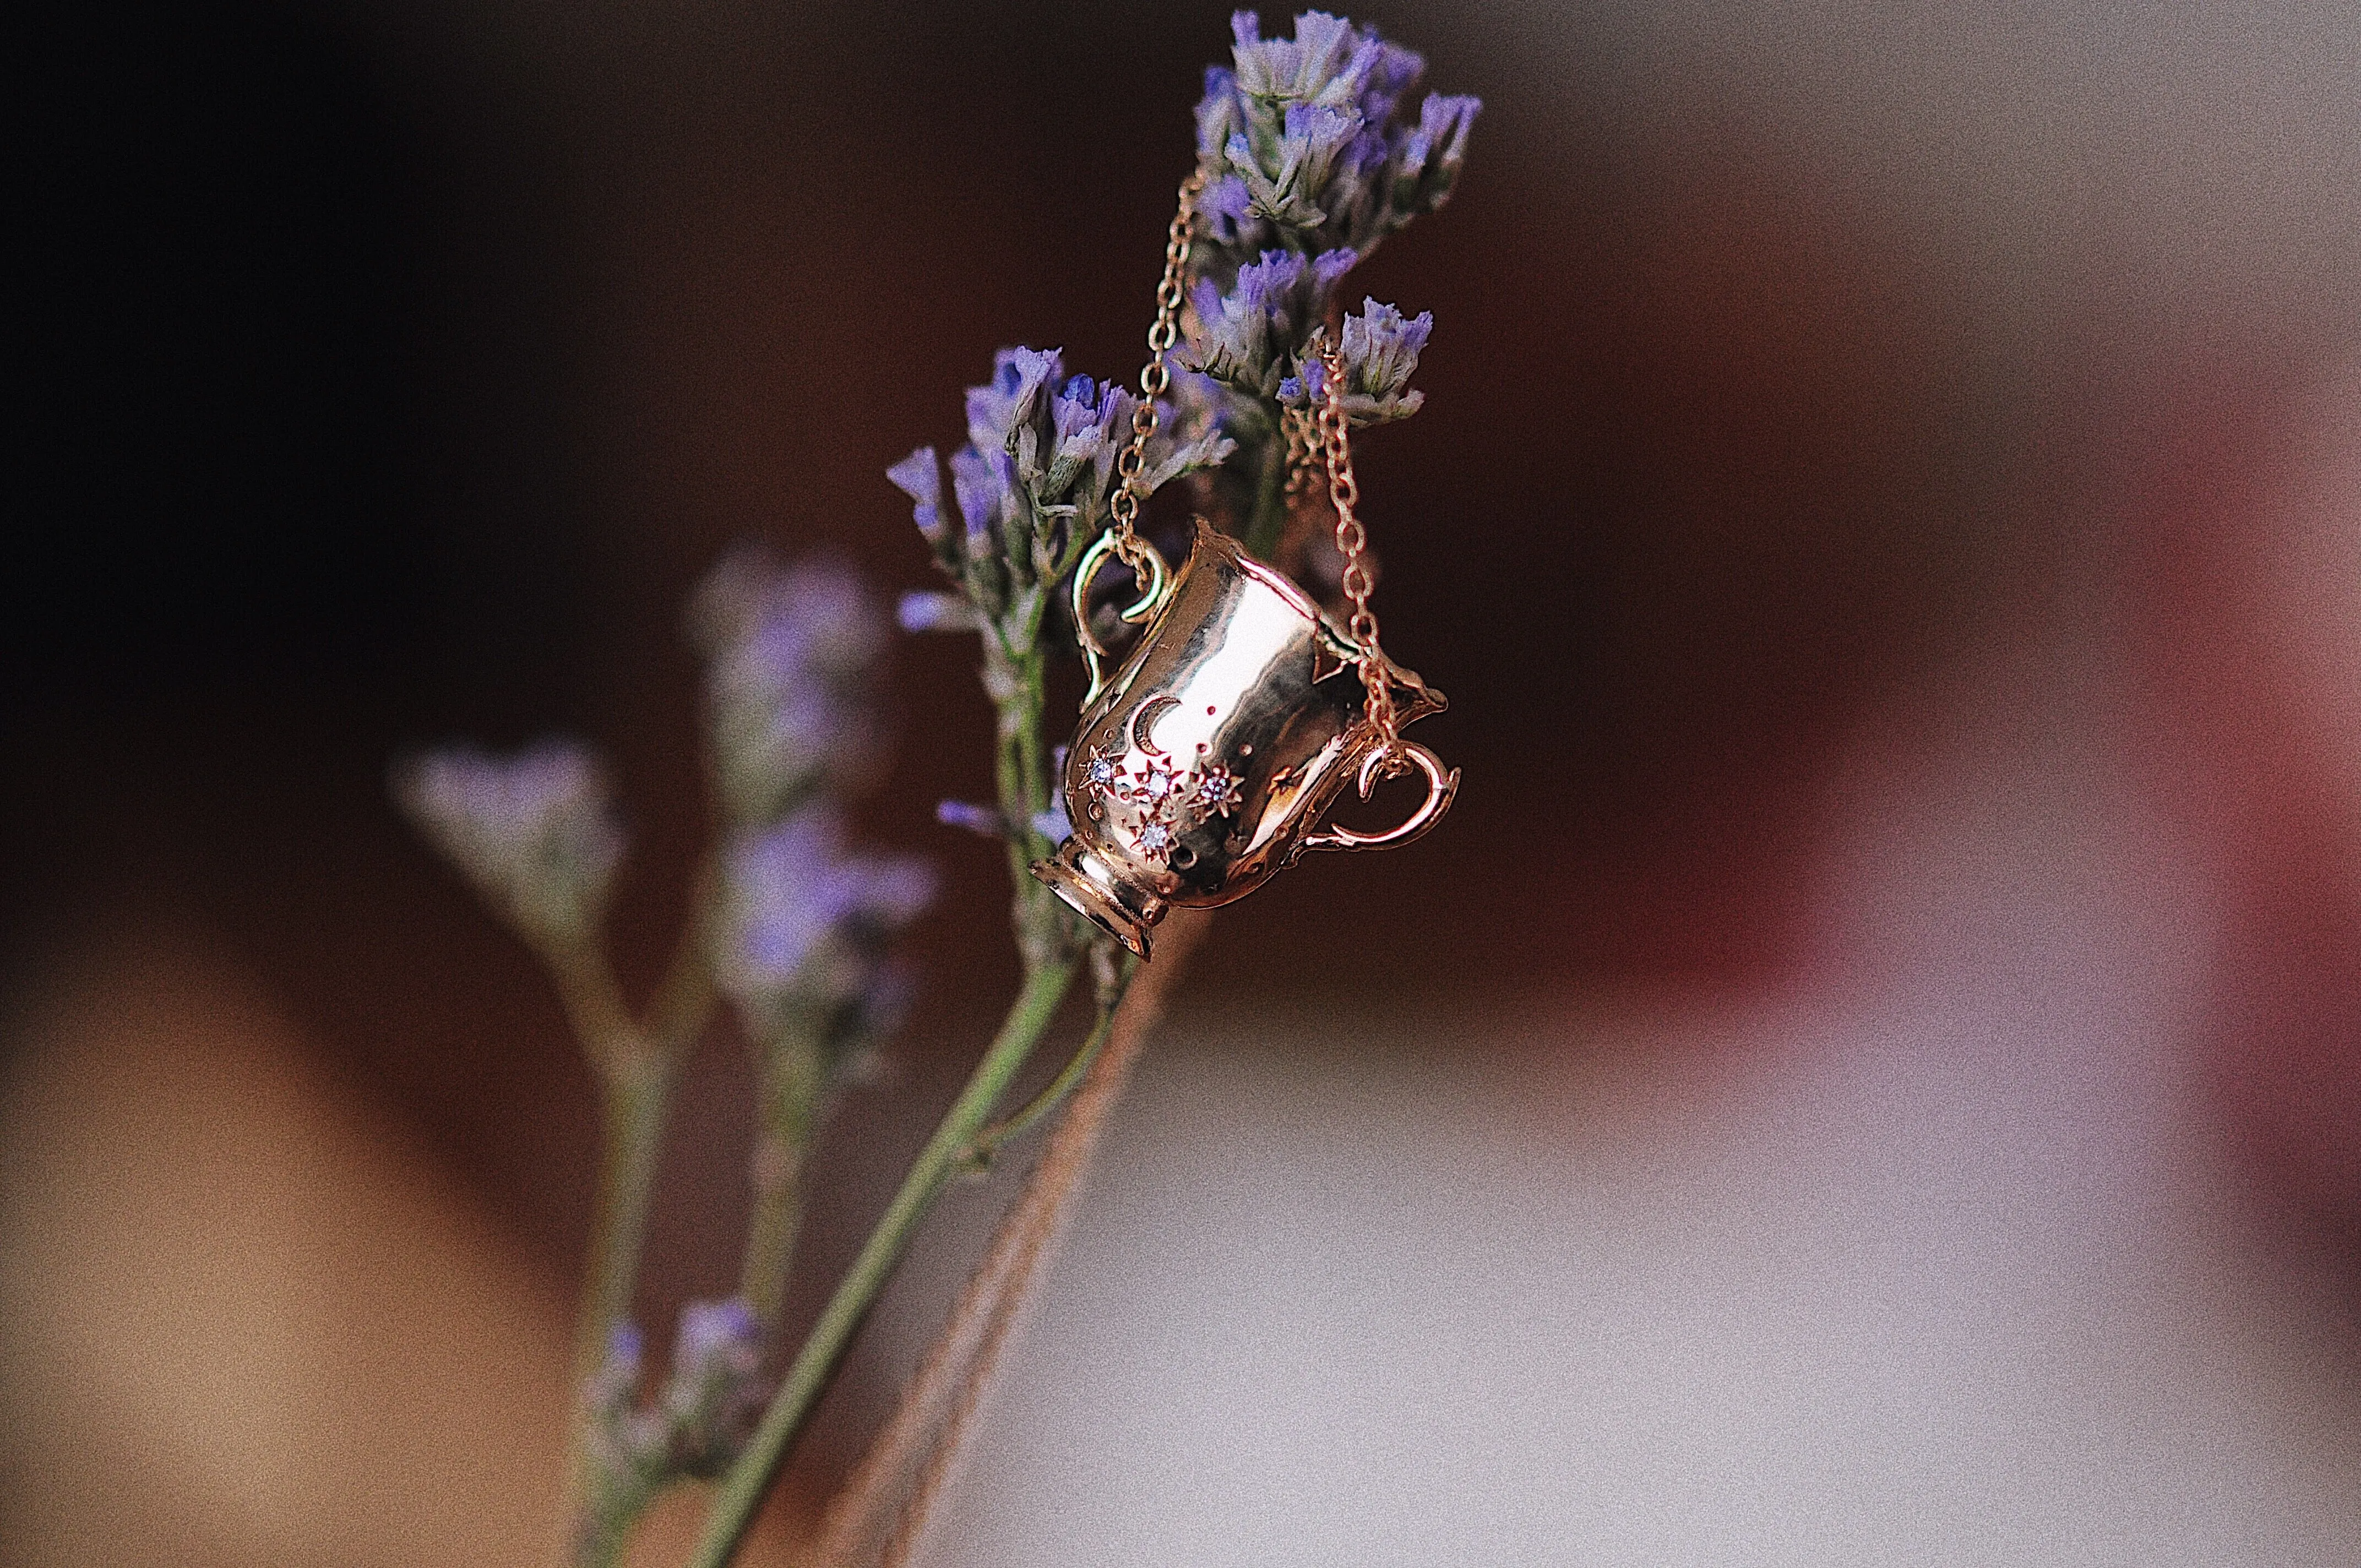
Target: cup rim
1270,576
1304,605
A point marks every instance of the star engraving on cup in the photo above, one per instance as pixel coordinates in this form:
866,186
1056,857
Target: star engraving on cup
1213,790
1156,783
1151,801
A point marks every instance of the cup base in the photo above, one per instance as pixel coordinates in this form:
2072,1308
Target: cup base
1101,895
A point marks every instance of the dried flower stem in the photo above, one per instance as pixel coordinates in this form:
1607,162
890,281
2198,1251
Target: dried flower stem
892,1492
793,1085
1017,682
1268,525
634,1090
740,1494
636,1066
988,1143
631,1140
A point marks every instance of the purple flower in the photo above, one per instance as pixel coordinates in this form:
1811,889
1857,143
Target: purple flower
790,655
611,1388
715,1336
920,478
1381,350
1052,823
1307,143
629,1447
804,913
984,821
1327,62
1393,74
696,1424
1012,399
1302,180
1227,216
985,483
717,1391
536,832
1423,162
927,611
1221,114
1088,425
1247,337
1033,483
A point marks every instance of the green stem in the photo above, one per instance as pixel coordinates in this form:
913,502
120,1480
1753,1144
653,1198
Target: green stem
1015,1124
636,1101
793,1084
684,1003
635,1109
635,1088
741,1492
1018,683
1268,524
636,1069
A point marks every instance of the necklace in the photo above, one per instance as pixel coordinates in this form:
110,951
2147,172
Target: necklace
1203,766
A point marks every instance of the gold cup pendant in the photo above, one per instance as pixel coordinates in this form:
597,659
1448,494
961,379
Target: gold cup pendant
1204,766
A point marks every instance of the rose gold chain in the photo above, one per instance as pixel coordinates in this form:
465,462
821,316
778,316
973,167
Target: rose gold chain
1353,544
1155,377
1296,425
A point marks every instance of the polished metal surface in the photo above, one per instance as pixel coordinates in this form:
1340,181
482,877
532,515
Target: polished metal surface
1204,766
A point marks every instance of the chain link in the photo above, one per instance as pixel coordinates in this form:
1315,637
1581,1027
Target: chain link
1296,425
1155,377
1335,453
1322,434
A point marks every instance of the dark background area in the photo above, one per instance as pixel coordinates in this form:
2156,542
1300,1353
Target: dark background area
396,389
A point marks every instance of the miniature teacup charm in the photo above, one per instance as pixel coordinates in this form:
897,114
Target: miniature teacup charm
1205,766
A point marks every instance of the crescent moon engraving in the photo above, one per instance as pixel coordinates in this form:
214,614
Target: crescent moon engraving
1143,720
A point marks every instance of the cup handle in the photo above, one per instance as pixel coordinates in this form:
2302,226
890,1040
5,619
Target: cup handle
1442,786
1095,658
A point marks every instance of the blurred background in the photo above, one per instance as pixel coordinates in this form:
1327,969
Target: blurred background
1868,1071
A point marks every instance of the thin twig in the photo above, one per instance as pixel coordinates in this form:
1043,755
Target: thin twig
740,1494
637,1066
890,1493
1018,1123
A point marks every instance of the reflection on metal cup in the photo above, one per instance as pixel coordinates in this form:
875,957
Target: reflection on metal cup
1205,766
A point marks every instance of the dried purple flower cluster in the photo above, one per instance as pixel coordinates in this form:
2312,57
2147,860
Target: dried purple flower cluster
795,934
1381,348
1247,338
696,1424
790,656
1311,145
791,659
1316,147
1031,489
536,832
807,922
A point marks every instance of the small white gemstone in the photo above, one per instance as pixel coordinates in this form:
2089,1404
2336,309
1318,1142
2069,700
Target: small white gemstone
1155,837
